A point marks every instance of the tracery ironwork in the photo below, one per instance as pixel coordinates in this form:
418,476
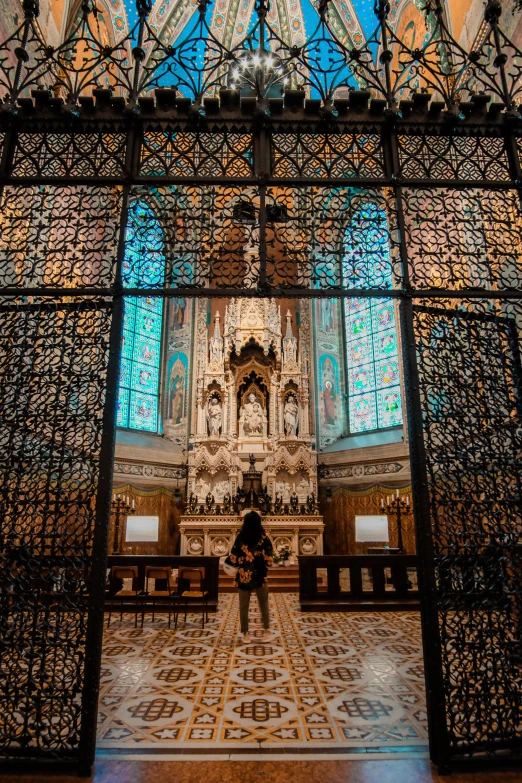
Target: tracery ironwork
262,163
262,65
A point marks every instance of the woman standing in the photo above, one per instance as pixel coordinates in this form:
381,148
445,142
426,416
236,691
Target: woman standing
252,555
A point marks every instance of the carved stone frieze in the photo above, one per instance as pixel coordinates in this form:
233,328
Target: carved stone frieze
215,535
149,470
374,469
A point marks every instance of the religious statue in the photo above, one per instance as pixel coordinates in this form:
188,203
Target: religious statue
291,413
227,502
294,500
209,500
264,500
278,503
214,417
252,417
238,501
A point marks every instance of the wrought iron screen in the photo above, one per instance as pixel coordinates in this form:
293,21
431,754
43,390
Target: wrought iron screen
266,166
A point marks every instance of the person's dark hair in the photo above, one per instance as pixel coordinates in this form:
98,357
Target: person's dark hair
252,530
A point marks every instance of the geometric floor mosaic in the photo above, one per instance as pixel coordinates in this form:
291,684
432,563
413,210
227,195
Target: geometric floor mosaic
336,680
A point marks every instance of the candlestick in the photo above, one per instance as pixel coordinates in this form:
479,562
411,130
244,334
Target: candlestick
398,506
120,507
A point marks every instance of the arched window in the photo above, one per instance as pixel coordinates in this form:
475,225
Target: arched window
372,361
143,266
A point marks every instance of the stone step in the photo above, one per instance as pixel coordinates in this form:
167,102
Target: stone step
284,579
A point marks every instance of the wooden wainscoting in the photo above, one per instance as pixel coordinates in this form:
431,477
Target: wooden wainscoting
339,512
160,502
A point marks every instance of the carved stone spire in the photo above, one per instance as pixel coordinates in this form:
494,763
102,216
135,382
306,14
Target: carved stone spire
216,345
289,345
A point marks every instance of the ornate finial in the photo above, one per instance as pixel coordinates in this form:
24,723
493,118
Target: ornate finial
289,324
252,461
493,11
31,8
143,7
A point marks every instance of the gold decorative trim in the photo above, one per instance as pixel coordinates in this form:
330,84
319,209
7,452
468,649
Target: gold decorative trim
371,491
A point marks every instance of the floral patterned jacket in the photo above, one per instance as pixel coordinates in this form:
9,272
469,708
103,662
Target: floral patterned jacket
252,566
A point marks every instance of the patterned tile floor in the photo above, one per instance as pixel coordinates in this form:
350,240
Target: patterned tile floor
325,681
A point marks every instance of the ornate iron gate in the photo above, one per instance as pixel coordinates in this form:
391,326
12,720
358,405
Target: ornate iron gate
262,166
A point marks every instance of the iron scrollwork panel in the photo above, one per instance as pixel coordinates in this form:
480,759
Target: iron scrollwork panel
54,358
470,158
342,155
460,239
178,152
56,237
471,399
89,153
209,235
331,238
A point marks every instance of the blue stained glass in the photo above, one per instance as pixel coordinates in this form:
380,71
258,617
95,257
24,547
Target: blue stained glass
358,324
383,316
359,352
361,379
122,407
146,350
143,411
387,372
145,378
125,373
385,344
148,323
355,305
127,342
389,406
143,266
363,413
374,393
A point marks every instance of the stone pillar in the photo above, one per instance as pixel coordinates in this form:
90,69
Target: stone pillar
304,412
232,403
295,541
274,422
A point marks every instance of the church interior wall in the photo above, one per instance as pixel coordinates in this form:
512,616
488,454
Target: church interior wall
152,466
161,501
340,507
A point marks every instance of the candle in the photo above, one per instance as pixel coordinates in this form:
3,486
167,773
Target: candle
396,493
132,502
382,502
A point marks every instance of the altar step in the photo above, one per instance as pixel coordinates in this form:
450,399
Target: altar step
284,579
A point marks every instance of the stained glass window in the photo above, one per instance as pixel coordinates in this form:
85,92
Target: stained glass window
143,265
372,360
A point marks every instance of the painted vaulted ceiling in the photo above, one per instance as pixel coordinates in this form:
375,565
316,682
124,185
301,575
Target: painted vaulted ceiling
230,20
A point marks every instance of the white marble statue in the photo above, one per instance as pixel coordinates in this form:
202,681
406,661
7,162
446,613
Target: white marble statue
252,417
220,488
283,488
214,415
291,414
202,488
